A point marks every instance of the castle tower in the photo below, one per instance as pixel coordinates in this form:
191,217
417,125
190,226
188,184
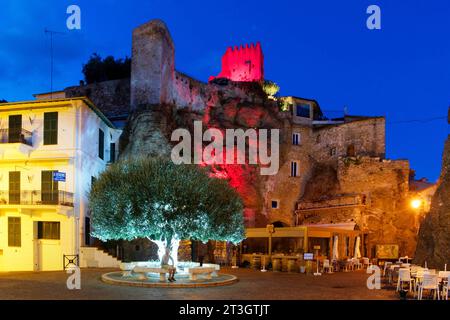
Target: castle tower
153,65
244,63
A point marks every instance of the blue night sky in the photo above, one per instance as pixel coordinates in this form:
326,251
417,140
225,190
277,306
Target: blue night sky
313,49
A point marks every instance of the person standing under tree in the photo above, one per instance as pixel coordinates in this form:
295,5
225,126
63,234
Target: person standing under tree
202,252
166,265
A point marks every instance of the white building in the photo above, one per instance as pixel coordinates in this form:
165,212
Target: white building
43,220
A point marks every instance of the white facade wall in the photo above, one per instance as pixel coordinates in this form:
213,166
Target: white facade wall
76,154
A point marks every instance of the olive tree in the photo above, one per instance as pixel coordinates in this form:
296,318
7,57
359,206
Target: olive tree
164,202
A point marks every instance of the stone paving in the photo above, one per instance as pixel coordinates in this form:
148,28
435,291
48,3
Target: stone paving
252,285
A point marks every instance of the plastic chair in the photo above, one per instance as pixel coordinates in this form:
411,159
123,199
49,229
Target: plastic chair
386,267
326,266
445,288
356,264
404,275
430,282
419,279
365,262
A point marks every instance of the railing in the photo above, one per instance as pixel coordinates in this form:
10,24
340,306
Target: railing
71,261
36,197
337,201
16,136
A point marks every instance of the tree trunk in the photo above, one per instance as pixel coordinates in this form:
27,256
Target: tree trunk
172,246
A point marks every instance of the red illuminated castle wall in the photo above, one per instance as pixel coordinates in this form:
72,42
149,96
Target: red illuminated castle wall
243,64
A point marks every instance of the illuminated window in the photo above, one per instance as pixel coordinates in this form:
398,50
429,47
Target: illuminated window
296,139
14,232
48,230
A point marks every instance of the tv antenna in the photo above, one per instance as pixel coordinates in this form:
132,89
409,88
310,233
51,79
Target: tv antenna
52,33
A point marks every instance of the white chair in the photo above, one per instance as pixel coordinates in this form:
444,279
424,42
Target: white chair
419,279
445,288
444,276
365,262
356,264
326,266
386,267
404,275
430,282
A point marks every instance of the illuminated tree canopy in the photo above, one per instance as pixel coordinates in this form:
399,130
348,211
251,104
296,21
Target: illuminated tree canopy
164,202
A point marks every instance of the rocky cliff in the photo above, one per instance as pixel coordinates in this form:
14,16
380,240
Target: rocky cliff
228,106
434,235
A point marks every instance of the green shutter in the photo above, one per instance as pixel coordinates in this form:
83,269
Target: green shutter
14,129
14,232
49,188
49,230
14,187
50,128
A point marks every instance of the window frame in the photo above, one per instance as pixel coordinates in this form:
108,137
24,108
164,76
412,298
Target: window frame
300,107
296,138
277,204
101,144
112,152
49,230
295,165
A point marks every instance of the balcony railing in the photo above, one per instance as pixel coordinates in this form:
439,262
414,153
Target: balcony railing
334,202
36,197
16,136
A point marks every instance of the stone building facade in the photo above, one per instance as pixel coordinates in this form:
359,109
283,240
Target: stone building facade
331,170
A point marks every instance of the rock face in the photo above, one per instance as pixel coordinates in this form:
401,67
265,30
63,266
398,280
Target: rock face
434,236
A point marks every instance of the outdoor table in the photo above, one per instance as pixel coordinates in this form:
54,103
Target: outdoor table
391,272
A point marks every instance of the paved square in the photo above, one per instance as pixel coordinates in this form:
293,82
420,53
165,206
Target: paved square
252,285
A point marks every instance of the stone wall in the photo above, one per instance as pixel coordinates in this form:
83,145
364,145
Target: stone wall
153,65
372,192
365,137
111,97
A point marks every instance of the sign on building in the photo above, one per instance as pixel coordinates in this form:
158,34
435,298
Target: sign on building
59,176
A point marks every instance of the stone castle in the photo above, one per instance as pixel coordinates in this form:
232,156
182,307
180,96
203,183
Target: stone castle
331,170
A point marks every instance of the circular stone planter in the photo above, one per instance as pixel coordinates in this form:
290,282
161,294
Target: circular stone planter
117,278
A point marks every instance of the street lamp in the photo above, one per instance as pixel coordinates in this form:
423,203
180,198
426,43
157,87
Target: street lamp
416,203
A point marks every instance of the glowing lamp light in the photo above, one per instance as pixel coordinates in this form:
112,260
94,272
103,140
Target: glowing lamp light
416,203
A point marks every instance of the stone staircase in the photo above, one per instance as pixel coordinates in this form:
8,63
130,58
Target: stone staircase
92,257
